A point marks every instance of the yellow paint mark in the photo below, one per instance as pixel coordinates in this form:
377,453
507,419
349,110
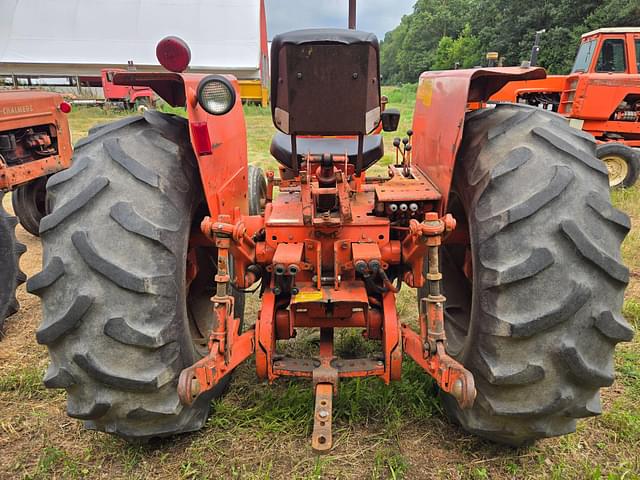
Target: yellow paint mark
425,91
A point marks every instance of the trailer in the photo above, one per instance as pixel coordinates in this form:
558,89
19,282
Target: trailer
68,48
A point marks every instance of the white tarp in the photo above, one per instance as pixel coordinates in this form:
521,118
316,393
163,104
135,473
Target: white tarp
224,35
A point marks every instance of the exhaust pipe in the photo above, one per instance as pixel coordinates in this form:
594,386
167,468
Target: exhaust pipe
352,14
536,49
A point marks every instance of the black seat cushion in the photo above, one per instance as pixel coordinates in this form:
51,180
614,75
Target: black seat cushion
372,152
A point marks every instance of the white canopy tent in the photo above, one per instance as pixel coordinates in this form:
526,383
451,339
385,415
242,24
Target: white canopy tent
80,37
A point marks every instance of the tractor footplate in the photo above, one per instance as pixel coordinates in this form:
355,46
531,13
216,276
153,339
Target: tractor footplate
321,439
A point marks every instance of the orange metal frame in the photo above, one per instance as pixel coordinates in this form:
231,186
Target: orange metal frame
20,109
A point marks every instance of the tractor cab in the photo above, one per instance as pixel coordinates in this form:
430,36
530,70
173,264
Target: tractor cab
325,84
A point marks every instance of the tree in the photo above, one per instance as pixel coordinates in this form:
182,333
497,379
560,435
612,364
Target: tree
464,50
436,35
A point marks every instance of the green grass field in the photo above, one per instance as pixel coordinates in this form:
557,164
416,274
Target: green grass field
258,431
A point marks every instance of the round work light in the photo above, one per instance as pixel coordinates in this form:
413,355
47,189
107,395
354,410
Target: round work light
216,95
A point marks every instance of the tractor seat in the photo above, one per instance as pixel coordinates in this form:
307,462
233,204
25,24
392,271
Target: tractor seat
373,148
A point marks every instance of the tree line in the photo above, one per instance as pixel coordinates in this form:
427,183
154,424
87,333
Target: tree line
440,33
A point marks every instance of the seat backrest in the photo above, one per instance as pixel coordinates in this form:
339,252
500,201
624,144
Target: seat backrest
325,82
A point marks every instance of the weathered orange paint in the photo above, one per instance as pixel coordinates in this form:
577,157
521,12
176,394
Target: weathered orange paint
223,172
438,119
21,109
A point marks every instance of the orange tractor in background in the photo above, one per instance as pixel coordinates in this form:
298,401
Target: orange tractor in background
600,96
500,218
35,142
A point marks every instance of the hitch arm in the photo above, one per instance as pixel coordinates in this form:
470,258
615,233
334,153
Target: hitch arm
206,373
428,349
450,375
226,349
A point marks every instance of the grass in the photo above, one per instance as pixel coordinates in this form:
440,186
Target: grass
260,431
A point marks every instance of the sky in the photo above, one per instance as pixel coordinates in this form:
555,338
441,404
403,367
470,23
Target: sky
377,16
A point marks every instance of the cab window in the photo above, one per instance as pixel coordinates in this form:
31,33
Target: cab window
638,54
584,56
110,76
612,57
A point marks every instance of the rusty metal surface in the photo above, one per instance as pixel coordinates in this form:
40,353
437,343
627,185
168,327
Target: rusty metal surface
322,437
345,367
449,374
401,189
25,109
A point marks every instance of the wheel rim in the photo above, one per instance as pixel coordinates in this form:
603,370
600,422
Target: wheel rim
618,169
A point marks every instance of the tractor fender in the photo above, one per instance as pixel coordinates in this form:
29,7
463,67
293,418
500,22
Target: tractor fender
442,100
219,142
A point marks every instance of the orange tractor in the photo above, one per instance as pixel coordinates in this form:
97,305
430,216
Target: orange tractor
500,218
35,143
600,96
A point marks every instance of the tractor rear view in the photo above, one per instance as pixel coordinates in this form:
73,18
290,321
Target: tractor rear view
34,144
500,218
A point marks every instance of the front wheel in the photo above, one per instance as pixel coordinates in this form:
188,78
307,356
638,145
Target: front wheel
622,161
257,191
534,298
30,204
141,105
122,313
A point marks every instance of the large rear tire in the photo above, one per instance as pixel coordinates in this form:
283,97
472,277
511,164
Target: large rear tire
10,274
533,303
119,321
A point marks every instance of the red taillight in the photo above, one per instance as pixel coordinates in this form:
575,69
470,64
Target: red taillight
65,107
174,54
201,139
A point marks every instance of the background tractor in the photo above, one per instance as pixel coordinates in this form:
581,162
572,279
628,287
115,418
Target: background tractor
35,143
500,217
600,96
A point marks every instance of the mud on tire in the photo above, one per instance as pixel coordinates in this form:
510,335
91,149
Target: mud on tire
115,315
539,317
